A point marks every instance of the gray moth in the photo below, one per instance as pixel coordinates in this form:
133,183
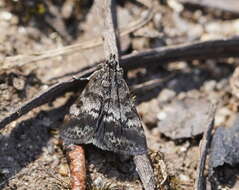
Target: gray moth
105,115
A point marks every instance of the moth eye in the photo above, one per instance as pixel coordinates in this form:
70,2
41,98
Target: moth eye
105,83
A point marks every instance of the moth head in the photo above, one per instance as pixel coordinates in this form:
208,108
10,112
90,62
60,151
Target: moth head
120,71
112,64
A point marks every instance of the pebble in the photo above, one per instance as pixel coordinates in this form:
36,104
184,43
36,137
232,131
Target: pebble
63,170
222,84
140,43
209,85
161,115
18,83
157,20
6,15
149,111
166,95
184,177
5,171
221,116
98,181
175,5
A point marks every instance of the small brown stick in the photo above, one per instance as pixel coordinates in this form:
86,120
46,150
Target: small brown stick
204,145
76,158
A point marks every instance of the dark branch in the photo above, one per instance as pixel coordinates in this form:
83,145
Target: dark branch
211,49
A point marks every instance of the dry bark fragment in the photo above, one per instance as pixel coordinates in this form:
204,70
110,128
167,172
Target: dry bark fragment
224,156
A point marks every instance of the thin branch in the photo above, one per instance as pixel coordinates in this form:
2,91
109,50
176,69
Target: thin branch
204,145
211,49
109,33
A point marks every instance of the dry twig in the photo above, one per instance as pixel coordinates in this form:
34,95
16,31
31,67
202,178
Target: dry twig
211,49
204,145
76,158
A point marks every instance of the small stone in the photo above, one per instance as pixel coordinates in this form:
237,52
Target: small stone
234,82
140,43
175,5
184,178
222,84
209,85
222,115
98,181
161,115
166,95
63,170
157,19
18,83
149,111
5,171
6,15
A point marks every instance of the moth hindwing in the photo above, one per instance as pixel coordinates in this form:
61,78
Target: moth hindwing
105,115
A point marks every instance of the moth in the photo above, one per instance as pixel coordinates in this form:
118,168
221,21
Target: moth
105,115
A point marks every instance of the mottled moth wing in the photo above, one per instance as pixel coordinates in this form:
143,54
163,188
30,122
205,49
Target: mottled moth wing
105,115
121,128
79,125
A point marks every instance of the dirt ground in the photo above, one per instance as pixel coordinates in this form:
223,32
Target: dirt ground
31,156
